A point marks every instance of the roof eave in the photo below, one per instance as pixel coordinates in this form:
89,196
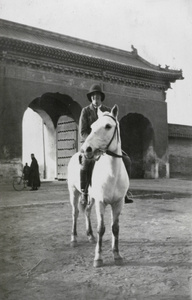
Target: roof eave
17,46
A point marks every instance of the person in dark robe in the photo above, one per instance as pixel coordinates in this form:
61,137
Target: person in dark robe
34,179
26,171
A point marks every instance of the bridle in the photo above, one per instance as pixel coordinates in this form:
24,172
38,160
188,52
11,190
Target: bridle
116,130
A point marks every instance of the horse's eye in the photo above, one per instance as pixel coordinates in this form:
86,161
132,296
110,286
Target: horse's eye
108,126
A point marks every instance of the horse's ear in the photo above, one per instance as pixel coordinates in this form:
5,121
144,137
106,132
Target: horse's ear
115,111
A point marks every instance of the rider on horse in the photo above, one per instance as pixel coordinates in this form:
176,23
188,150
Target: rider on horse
87,118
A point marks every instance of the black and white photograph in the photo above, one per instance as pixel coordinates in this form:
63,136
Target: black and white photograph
96,150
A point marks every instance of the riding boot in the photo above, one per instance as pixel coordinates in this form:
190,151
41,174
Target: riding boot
127,199
84,187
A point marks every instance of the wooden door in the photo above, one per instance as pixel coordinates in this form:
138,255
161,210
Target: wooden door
66,144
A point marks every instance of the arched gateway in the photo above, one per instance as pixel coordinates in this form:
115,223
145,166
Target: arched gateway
51,74
55,138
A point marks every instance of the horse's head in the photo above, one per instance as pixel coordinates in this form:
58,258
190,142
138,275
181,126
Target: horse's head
104,134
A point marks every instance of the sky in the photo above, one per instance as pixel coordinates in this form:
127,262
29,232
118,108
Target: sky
161,30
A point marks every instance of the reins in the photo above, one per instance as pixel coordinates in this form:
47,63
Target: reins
108,152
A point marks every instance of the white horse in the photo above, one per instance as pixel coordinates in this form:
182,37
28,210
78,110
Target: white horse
109,182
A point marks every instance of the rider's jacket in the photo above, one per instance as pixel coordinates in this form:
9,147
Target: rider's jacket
87,118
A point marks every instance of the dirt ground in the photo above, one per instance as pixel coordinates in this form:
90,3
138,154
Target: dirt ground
37,261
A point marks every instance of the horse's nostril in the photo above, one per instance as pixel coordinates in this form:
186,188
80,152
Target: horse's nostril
89,149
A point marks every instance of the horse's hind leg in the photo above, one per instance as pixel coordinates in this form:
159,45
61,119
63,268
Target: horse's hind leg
100,210
74,197
89,230
116,210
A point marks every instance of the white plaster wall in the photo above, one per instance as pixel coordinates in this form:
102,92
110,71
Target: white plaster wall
40,140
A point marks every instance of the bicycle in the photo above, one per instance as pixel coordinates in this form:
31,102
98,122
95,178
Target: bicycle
19,183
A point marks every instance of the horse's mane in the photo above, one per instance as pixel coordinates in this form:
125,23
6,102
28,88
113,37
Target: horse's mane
106,113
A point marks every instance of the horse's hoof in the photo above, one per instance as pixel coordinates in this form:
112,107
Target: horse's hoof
98,263
73,243
118,261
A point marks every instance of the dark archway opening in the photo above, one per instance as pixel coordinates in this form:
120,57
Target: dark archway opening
137,136
57,105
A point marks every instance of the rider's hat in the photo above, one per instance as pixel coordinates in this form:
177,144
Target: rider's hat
93,89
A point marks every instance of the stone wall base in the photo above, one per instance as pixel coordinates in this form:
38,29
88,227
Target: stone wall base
9,169
157,170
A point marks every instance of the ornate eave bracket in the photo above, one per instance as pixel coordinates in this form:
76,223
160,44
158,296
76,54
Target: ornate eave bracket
83,66
80,72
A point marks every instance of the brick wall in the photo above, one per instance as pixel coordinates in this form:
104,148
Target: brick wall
180,150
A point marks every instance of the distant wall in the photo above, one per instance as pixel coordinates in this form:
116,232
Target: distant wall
180,150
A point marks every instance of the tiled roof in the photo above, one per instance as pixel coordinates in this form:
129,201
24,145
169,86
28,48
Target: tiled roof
26,36
182,131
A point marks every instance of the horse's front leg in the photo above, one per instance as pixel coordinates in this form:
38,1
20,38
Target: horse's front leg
116,210
74,197
89,230
100,210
